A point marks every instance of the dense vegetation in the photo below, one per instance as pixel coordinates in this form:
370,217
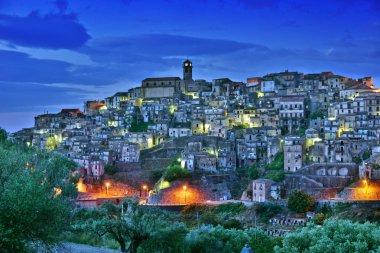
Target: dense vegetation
138,125
175,172
333,236
35,193
300,202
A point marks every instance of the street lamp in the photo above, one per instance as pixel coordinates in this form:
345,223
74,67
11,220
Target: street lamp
107,186
185,189
145,187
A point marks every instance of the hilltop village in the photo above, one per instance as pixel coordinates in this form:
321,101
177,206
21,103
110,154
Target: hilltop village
258,140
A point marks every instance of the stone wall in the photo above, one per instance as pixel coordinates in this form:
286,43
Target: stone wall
320,178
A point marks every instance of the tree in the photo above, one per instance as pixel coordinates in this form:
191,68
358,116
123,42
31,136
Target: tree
277,163
333,236
300,202
110,169
136,227
209,239
35,197
175,172
3,135
253,173
51,143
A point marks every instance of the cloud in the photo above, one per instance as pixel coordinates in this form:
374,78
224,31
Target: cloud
52,30
166,45
61,5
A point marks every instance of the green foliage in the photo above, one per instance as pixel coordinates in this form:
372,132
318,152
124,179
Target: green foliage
333,236
319,218
367,154
340,207
325,209
277,163
110,169
140,228
267,211
51,143
253,172
275,175
284,130
3,135
175,172
30,208
241,126
156,174
231,208
300,202
138,125
209,239
317,114
301,131
376,166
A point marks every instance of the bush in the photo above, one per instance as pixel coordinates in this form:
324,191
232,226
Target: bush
175,172
300,202
231,208
110,169
277,163
333,236
253,173
275,175
317,114
209,239
267,211
3,135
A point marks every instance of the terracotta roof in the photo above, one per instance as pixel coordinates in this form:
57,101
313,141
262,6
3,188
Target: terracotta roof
150,79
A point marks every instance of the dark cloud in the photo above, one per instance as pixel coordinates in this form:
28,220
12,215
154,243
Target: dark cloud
43,31
61,5
19,67
164,45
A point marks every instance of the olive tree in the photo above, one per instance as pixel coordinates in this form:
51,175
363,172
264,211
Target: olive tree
333,236
35,194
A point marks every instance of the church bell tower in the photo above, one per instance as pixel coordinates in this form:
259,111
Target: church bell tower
187,71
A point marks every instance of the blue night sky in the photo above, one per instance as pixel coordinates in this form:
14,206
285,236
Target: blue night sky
57,54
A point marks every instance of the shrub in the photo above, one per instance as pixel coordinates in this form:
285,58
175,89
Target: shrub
275,175
175,172
300,202
267,211
253,173
277,163
333,236
232,208
110,169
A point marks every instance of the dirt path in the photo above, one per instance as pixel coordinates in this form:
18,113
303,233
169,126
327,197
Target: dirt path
69,247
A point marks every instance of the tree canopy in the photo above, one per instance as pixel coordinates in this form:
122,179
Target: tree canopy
35,194
135,227
300,202
333,236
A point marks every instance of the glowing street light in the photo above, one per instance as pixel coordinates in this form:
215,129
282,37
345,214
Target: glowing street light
107,186
145,187
185,189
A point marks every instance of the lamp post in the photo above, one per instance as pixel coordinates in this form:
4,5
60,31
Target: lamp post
107,186
185,189
145,187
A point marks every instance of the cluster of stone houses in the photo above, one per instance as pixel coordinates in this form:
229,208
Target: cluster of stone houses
312,118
